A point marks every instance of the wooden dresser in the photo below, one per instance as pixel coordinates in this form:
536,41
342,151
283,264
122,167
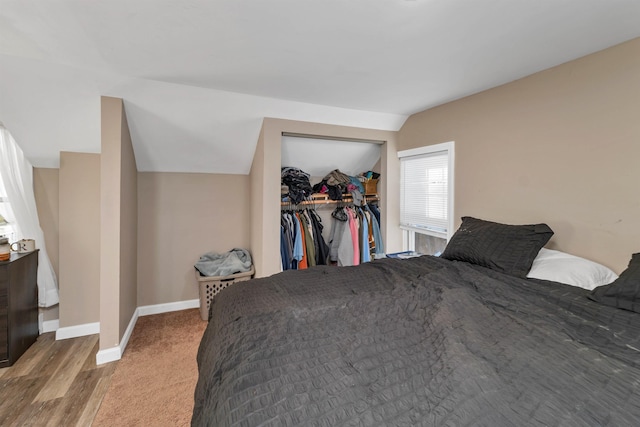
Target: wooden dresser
18,306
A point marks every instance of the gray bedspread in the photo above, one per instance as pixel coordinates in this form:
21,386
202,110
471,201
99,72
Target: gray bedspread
417,342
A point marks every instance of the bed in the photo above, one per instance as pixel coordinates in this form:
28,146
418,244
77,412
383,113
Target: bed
426,341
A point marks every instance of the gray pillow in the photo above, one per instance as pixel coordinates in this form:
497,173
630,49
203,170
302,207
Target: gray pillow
624,292
506,248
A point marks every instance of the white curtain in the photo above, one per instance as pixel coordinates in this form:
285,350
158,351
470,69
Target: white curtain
17,177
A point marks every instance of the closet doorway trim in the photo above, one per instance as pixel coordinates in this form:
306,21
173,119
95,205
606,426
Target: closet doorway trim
332,138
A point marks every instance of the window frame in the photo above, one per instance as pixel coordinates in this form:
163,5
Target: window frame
408,233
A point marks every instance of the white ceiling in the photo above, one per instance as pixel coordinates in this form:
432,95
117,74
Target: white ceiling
197,77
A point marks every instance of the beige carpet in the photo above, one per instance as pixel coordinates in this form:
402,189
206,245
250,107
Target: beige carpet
154,381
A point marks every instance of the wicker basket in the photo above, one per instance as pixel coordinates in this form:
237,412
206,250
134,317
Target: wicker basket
211,285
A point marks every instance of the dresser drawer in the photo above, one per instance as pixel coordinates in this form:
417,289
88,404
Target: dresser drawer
4,280
4,336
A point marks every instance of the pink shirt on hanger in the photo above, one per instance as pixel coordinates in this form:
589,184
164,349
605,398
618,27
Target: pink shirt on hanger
353,226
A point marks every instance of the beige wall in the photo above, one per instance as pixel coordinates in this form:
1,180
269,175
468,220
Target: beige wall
181,217
118,233
46,192
560,146
260,192
265,186
79,238
128,227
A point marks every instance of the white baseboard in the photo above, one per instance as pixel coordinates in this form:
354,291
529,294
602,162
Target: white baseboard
45,326
146,310
115,353
77,331
127,333
108,355
50,325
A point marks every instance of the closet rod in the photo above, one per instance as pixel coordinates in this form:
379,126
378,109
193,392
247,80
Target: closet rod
320,199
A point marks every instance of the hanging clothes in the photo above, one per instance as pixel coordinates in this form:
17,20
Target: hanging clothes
376,212
301,241
372,241
355,236
377,236
346,251
308,239
365,254
321,247
302,263
353,228
284,253
290,245
339,221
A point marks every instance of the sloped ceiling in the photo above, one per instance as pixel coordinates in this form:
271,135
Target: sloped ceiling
198,77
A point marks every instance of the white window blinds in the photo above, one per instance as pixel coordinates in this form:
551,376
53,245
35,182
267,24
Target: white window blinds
424,193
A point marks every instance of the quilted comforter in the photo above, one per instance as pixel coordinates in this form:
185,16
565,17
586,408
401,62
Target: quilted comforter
417,342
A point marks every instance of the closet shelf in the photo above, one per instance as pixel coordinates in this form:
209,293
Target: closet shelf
321,199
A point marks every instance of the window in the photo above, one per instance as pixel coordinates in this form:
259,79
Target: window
7,227
426,197
7,224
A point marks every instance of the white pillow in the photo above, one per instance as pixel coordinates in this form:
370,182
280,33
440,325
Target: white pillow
569,269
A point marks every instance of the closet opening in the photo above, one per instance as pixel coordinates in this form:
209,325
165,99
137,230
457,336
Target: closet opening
318,156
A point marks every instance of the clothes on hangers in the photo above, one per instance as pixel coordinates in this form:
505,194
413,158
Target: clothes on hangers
365,253
302,264
375,226
355,236
376,212
286,251
339,220
302,232
321,247
353,227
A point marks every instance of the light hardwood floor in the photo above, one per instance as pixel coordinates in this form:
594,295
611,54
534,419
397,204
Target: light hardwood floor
55,383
